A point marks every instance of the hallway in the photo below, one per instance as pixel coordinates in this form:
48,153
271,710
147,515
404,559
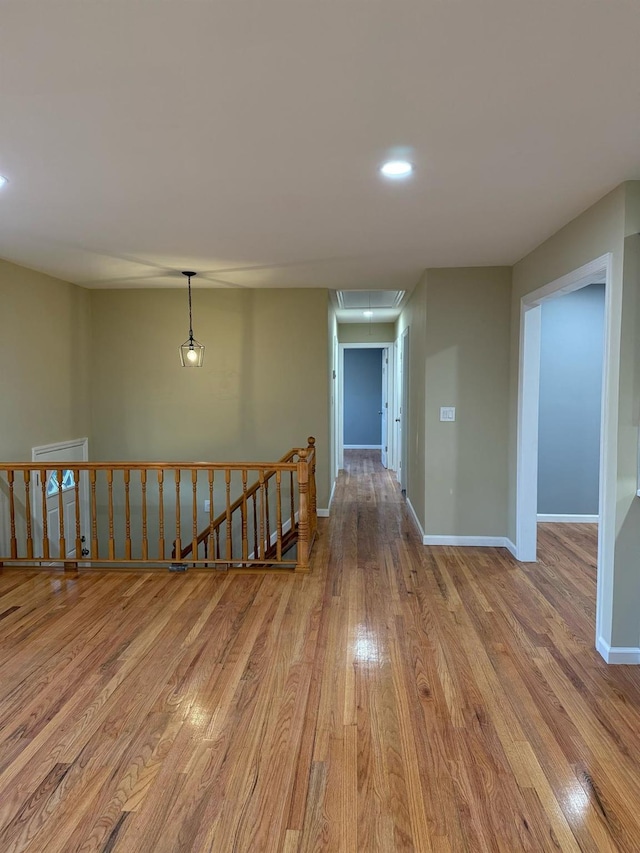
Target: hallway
397,698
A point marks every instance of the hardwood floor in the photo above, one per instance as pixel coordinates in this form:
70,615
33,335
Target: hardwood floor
397,698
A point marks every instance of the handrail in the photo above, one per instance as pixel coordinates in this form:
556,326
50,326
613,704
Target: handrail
103,513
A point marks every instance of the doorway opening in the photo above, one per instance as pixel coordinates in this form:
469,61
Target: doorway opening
528,437
365,400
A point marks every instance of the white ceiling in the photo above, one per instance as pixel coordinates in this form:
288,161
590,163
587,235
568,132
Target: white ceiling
242,139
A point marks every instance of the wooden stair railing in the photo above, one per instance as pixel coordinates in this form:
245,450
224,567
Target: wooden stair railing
268,545
119,513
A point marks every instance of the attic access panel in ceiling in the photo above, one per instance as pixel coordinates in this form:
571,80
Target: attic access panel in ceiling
381,306
365,299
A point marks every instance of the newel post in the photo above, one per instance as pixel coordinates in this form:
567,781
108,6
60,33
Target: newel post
303,512
313,503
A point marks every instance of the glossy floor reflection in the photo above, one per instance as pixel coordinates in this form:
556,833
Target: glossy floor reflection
397,698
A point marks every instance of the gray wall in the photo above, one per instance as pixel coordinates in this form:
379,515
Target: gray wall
263,387
467,366
362,396
570,402
366,333
45,385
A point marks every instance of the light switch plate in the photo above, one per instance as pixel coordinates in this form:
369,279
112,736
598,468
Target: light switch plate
447,413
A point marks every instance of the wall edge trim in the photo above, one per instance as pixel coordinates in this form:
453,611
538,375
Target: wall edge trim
468,541
618,654
549,518
415,519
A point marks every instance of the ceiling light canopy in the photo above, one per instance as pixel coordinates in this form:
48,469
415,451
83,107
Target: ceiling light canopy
397,169
191,352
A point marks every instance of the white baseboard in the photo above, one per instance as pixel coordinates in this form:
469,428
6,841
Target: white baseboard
322,511
416,521
618,654
469,541
286,527
508,544
475,541
363,447
569,519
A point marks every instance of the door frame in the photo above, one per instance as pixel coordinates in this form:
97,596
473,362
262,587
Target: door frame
335,414
401,407
38,454
386,346
527,427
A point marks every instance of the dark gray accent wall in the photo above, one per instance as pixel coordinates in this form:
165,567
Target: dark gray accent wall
362,396
571,353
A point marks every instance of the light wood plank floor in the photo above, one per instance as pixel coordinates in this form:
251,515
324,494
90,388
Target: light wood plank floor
397,698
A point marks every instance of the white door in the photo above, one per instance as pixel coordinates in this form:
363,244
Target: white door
48,456
384,409
404,407
397,405
335,391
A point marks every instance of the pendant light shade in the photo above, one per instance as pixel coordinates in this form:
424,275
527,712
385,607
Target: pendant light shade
191,352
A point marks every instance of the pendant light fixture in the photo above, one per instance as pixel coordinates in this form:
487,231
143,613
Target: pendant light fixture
191,352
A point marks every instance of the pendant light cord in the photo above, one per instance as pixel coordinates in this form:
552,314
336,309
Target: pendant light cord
190,321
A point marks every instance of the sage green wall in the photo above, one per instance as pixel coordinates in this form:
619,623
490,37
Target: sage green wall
364,333
262,389
414,318
626,591
598,230
609,226
467,366
44,352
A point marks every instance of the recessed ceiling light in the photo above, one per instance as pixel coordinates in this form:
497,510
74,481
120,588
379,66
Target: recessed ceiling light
397,169
368,313
3,181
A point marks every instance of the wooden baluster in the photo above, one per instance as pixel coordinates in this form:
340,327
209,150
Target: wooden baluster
27,507
45,520
262,514
255,525
278,517
160,514
227,476
217,543
94,515
266,512
178,543
212,548
143,488
245,541
12,516
302,564
127,515
313,501
292,498
61,538
194,539
112,543
76,487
